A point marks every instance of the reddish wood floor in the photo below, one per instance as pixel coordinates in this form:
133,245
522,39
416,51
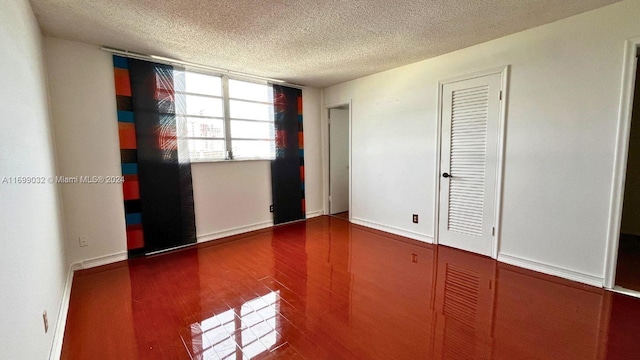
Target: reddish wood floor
326,289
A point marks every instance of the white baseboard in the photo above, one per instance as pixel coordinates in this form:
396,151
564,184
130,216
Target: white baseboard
234,231
61,323
312,214
102,260
628,292
393,230
551,270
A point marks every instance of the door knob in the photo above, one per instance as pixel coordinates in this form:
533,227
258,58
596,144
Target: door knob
446,175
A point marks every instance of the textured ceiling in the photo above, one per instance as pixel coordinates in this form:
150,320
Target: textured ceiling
316,43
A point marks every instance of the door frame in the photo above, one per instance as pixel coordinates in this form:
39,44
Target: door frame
325,154
504,72
632,48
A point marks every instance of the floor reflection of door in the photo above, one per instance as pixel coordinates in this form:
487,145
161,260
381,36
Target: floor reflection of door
465,289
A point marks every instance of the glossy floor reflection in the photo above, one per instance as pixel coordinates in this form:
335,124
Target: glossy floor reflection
326,289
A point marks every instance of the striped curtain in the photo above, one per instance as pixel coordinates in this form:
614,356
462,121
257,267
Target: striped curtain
158,193
287,170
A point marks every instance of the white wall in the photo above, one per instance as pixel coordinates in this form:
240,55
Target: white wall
83,108
229,197
312,151
32,261
562,117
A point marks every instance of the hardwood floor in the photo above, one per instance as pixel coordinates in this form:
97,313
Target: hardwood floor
326,289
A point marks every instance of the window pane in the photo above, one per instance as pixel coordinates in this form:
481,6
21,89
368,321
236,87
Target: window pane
203,106
251,129
250,111
250,91
253,149
202,127
206,149
203,84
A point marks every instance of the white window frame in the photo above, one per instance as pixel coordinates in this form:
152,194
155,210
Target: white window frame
227,120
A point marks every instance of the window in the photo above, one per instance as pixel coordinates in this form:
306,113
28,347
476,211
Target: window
251,120
225,119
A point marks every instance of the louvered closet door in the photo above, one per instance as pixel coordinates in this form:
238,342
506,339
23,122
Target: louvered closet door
469,154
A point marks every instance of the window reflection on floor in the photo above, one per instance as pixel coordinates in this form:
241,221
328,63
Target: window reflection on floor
248,330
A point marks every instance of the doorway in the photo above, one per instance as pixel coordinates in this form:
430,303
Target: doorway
620,247
627,274
339,156
472,128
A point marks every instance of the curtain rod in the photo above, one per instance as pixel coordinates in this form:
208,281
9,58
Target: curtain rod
169,61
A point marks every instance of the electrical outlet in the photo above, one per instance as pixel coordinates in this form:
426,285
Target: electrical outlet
415,218
45,318
414,258
270,208
83,241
